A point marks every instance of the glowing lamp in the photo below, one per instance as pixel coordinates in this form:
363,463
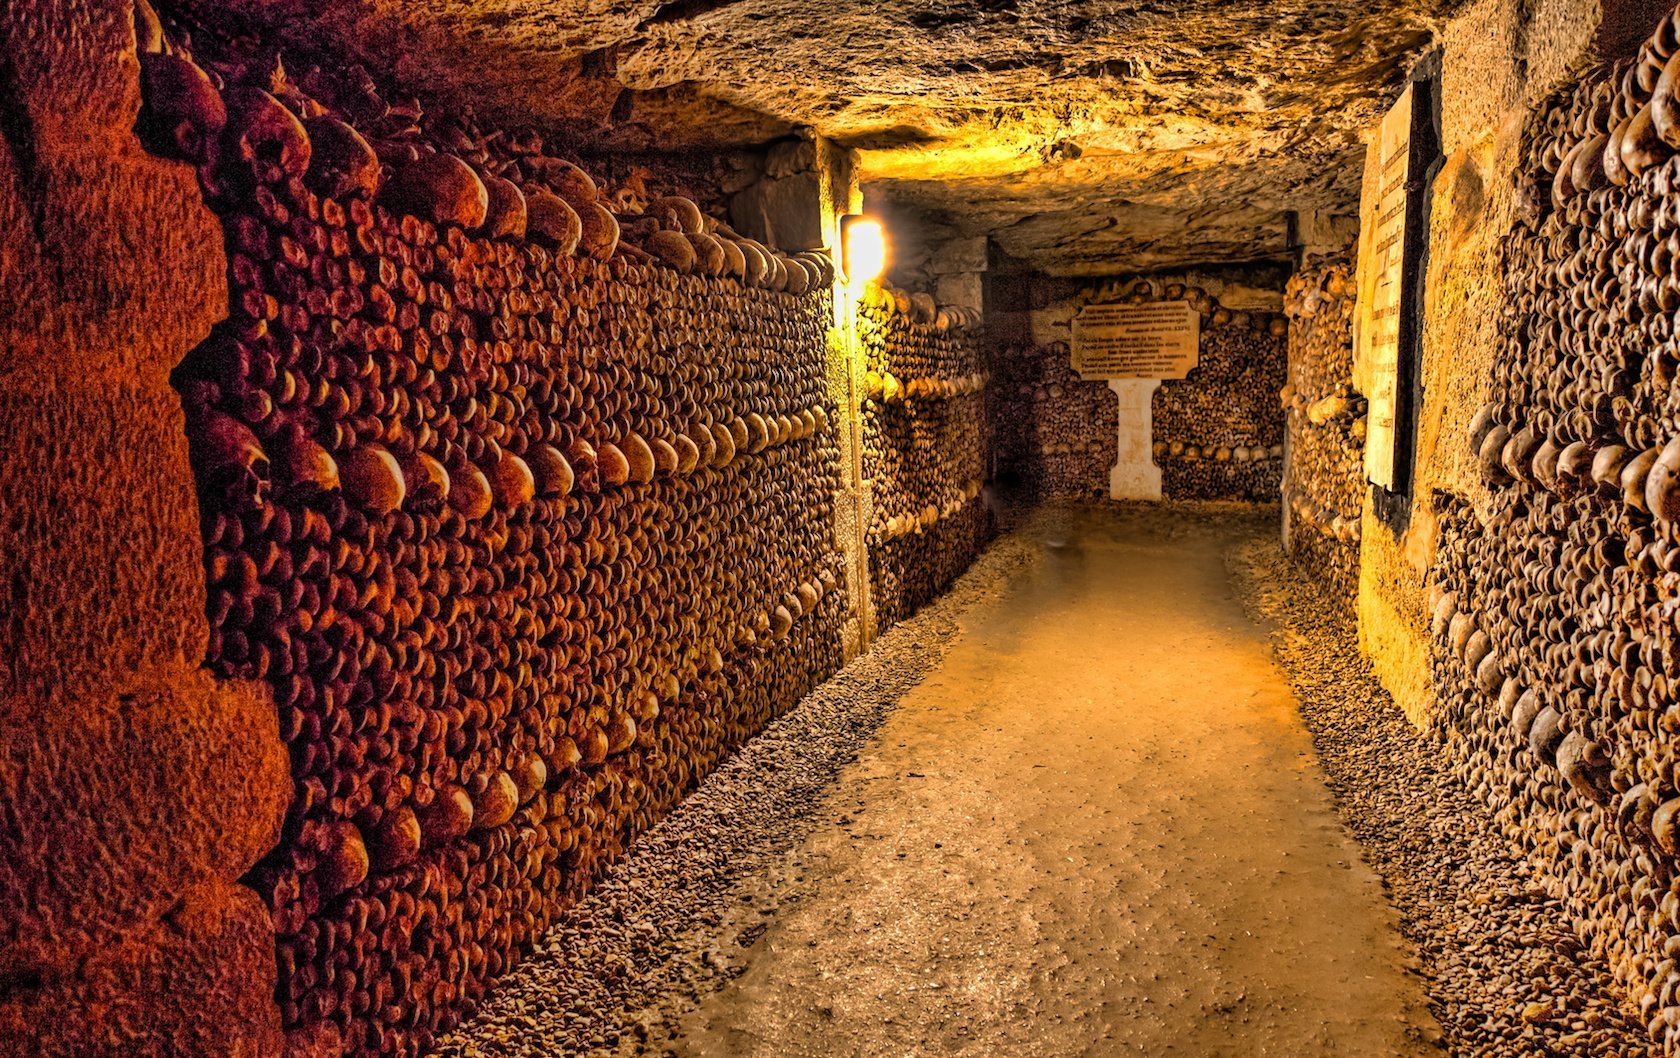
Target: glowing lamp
863,243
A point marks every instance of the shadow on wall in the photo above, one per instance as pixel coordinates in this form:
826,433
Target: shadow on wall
1058,435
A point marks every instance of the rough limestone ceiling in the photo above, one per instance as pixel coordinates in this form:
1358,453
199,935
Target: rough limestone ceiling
1080,134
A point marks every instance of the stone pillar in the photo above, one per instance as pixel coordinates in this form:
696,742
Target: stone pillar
1134,475
1317,233
803,184
959,268
135,790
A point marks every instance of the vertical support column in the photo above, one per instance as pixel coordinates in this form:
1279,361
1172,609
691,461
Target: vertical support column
136,789
808,183
1134,475
853,507
834,193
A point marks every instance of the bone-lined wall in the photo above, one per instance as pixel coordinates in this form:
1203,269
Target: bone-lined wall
925,443
1218,434
519,494
1057,433
1324,474
494,671
1553,644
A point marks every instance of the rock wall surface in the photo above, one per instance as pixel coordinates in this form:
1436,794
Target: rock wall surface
1500,59
1324,471
135,788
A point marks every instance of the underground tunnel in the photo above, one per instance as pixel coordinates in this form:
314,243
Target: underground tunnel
756,528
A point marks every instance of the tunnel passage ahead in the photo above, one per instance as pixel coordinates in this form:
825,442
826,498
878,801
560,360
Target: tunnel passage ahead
1097,827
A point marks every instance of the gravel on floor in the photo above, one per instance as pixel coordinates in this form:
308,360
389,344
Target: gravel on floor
1505,973
663,927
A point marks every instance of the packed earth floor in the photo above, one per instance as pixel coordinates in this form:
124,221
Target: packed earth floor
1126,790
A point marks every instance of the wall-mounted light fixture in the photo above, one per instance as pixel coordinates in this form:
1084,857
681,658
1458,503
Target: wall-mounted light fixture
863,247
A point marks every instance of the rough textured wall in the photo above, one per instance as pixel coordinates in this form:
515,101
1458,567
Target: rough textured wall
522,524
135,789
1324,472
490,690
1218,431
925,440
1057,434
1553,640
1499,58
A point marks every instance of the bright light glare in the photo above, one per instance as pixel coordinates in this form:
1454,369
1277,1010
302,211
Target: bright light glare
865,249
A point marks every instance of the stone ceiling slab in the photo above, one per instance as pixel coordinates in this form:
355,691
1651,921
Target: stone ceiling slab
1159,131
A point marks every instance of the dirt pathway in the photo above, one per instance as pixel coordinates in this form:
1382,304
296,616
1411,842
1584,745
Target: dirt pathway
1096,828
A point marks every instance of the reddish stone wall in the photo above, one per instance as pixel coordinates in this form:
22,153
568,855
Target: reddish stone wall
135,788
485,706
513,535
524,533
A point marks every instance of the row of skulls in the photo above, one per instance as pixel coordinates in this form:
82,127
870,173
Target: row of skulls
924,444
524,528
1552,607
1324,480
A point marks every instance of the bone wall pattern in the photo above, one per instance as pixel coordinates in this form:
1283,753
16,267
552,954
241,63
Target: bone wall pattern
1217,432
925,443
1324,477
517,491
1554,645
1058,434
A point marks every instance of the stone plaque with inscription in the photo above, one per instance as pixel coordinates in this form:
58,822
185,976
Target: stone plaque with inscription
1382,282
1154,339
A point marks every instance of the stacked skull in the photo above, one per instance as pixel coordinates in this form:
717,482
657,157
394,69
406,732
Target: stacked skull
1324,481
524,527
1555,653
1217,431
924,447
